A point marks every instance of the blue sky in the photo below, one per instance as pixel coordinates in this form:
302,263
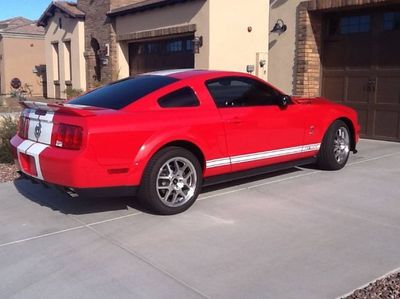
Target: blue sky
31,9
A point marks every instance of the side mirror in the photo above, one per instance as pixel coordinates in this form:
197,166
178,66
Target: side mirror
284,101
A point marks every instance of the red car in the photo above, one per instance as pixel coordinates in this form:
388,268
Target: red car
165,134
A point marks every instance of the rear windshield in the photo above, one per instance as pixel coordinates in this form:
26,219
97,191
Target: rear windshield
121,93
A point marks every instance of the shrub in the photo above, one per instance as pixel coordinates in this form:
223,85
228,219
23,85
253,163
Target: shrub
8,128
72,92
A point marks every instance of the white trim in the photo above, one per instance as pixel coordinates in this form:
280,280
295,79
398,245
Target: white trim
263,155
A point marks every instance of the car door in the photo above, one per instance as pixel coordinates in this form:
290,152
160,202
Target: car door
258,130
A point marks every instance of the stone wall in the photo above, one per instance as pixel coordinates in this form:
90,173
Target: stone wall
99,31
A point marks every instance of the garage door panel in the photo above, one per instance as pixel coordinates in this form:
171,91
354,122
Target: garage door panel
359,57
386,123
334,87
388,90
388,49
357,91
363,120
335,54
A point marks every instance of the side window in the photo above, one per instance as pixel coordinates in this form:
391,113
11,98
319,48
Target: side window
241,92
184,97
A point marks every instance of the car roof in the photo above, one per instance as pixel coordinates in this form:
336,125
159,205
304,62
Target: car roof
191,73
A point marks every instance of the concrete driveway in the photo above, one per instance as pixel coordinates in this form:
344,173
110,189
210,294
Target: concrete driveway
302,233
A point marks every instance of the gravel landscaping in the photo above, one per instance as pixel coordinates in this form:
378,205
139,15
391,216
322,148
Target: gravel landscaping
8,172
386,288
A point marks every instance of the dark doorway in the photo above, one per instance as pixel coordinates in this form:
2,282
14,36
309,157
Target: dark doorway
361,67
172,53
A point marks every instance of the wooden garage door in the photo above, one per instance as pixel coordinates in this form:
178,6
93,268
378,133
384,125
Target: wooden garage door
361,67
173,53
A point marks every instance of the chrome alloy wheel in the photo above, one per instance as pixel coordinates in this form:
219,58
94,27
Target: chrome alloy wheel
176,182
341,144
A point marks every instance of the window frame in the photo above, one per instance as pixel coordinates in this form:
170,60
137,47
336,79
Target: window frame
243,78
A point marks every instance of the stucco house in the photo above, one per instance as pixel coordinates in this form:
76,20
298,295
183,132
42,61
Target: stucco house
22,55
114,38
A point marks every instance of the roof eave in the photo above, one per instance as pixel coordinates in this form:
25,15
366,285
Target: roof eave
42,21
131,9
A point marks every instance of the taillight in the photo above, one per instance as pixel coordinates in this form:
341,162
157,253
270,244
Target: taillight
67,136
23,127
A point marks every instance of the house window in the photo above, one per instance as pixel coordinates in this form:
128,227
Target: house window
56,61
175,46
391,21
68,61
355,24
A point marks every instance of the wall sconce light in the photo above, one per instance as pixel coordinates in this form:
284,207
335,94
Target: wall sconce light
280,27
197,44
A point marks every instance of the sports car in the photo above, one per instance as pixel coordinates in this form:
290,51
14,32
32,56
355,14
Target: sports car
162,136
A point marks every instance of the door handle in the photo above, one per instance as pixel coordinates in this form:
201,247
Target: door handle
371,85
234,121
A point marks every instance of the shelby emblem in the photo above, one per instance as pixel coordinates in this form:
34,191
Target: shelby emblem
38,130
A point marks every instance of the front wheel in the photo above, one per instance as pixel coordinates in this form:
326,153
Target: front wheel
171,182
335,148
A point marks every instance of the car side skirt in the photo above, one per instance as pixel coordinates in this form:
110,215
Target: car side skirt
218,179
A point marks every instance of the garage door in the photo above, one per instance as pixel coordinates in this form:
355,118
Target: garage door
361,67
173,53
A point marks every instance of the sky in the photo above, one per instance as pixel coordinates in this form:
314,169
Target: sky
31,9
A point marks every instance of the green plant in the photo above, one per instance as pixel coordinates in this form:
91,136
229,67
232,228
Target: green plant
8,128
22,93
72,92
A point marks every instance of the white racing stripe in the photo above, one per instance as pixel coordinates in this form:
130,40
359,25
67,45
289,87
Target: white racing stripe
263,155
35,145
35,150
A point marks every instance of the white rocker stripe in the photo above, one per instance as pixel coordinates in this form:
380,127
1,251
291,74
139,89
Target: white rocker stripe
218,162
263,155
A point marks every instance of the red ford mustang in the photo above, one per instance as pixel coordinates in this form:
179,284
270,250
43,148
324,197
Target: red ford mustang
163,135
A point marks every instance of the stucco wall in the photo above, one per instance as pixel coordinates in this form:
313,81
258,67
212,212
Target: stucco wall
195,12
73,31
20,56
223,24
282,47
232,46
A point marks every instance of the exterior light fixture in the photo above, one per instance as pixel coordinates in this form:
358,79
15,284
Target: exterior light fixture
280,27
197,44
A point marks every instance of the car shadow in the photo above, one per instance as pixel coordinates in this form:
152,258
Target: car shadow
247,180
58,201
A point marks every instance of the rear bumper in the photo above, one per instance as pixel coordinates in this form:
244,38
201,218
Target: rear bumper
103,192
79,170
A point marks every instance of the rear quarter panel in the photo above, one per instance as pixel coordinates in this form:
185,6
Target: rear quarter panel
130,137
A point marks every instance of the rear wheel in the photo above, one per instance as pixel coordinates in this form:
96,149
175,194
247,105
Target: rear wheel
171,182
335,148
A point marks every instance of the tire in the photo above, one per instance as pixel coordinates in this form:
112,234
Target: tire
335,148
171,181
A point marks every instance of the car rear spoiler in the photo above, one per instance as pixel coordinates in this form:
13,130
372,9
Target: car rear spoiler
77,110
